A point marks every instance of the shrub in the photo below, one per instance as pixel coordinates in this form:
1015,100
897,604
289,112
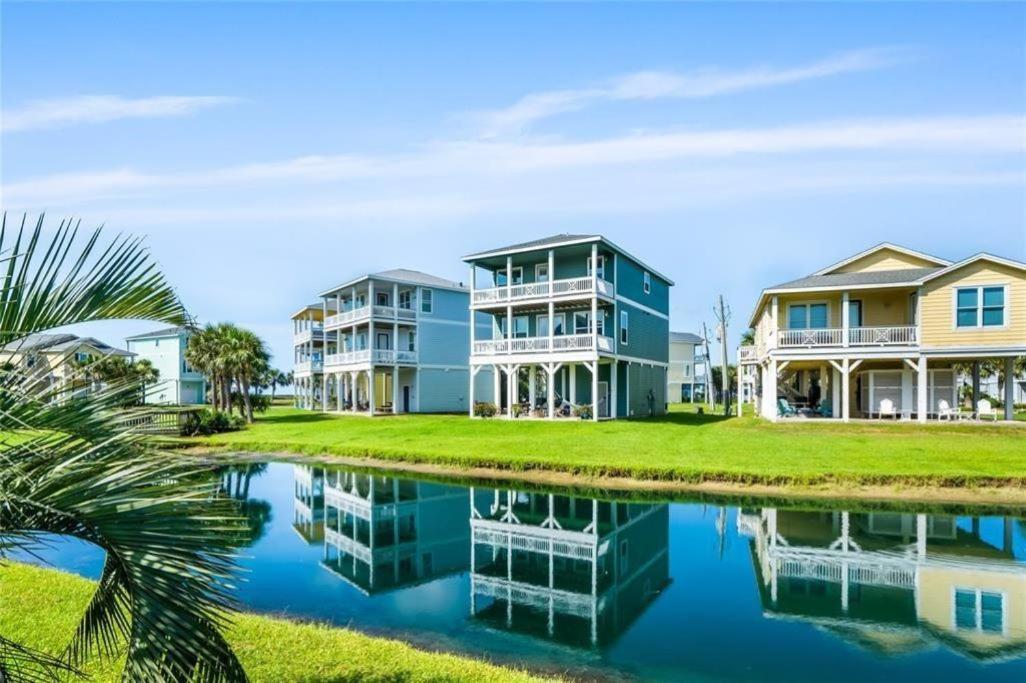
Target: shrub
518,410
209,421
485,409
583,412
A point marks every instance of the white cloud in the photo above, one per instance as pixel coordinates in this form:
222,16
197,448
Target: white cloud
54,113
649,85
458,163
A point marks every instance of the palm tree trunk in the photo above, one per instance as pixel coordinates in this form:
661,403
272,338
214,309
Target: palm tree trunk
247,400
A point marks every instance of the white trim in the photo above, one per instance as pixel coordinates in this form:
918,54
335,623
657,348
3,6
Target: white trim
979,326
625,326
441,366
807,303
545,265
371,276
443,321
642,361
880,247
642,307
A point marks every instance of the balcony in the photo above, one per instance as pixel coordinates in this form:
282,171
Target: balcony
365,356
572,287
560,343
747,354
309,367
857,336
315,333
358,315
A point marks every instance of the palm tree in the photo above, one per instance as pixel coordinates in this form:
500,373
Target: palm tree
113,369
73,469
276,378
229,355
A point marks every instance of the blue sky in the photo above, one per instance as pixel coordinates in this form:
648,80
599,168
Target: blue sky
269,151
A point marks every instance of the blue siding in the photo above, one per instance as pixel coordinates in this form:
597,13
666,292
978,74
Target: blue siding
444,334
647,390
648,334
444,391
630,284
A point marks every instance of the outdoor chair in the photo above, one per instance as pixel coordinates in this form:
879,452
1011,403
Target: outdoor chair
945,411
886,408
785,409
984,409
825,409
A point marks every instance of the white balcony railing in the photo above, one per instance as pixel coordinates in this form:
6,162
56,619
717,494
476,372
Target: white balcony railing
308,367
535,290
315,333
364,312
747,354
386,356
560,343
882,336
904,335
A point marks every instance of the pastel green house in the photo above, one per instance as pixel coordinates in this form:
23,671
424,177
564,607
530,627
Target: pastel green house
573,324
179,383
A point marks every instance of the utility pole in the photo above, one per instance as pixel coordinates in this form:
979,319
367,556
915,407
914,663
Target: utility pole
723,316
709,398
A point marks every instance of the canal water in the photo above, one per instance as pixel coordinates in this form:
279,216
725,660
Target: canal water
613,589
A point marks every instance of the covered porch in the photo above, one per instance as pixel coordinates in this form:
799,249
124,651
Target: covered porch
553,389
372,391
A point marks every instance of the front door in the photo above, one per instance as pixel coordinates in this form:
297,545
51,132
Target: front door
406,398
603,396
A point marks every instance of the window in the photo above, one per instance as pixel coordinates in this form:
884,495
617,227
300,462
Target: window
582,322
601,267
977,610
82,356
381,298
624,327
807,316
687,369
384,342
518,276
647,282
854,314
542,323
980,306
405,300
427,298
520,326
361,341
541,272
411,344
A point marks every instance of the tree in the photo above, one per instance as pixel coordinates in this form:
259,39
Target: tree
278,378
229,356
118,369
748,337
73,469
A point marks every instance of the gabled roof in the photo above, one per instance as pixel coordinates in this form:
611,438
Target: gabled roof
316,306
60,343
562,240
402,276
163,332
880,247
982,256
686,337
876,277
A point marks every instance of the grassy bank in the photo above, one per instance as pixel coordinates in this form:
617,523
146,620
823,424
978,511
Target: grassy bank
682,446
40,608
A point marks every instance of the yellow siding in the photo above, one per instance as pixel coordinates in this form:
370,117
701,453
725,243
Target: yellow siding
885,259
887,308
936,602
833,299
938,310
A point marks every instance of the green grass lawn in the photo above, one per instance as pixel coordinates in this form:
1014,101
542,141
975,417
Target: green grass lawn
40,608
681,446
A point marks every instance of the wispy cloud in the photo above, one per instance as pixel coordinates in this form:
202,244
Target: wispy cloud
706,82
457,162
54,113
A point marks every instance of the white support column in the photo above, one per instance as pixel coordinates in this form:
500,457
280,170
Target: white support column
512,376
769,390
370,390
846,389
416,388
324,392
473,315
552,323
845,320
531,388
354,378
340,403
921,404
550,387
835,392
1009,388
470,390
395,389
976,386
573,383
594,390
740,370
774,339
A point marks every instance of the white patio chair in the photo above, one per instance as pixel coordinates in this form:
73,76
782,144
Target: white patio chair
945,411
887,408
985,410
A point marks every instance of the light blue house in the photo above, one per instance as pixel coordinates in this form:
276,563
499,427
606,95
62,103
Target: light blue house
179,383
395,342
577,322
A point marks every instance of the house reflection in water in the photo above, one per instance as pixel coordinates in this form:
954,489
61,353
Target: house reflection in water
575,570
308,510
382,533
893,582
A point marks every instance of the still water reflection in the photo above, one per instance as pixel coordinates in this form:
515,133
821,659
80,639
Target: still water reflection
613,589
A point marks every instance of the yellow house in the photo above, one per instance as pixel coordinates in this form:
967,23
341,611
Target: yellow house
877,334
53,361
